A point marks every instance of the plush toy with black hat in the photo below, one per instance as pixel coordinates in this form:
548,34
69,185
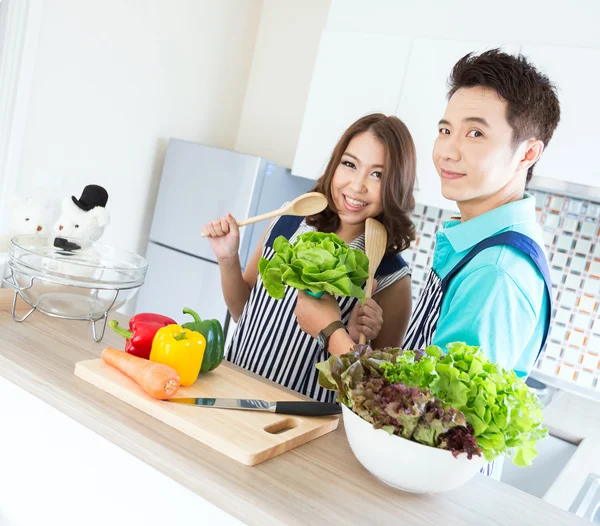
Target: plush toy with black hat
85,218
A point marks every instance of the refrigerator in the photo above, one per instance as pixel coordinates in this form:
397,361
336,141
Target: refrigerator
199,184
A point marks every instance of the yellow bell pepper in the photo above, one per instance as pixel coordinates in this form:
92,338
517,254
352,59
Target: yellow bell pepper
181,349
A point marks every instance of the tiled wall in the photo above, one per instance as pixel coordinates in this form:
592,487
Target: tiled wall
571,236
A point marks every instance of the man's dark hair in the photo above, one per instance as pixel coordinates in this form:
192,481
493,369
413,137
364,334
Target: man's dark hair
533,109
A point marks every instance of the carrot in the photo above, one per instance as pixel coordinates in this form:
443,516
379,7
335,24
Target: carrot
158,380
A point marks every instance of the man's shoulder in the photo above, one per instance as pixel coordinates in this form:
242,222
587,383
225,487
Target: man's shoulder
504,265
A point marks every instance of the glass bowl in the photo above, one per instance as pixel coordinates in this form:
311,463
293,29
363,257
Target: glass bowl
72,282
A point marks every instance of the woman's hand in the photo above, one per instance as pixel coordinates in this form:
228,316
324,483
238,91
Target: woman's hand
314,314
365,319
224,237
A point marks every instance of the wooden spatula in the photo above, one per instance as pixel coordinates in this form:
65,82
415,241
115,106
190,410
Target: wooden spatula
305,205
375,247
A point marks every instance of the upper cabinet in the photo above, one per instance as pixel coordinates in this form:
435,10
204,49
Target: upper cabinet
423,102
358,73
571,154
355,74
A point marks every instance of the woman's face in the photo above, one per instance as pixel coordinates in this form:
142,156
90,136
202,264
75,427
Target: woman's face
356,183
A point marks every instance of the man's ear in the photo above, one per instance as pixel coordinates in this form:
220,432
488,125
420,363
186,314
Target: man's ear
101,214
533,149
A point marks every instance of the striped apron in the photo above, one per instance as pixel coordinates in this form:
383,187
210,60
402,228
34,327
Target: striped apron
423,323
268,340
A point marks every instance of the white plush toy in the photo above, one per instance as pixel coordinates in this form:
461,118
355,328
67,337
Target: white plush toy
26,217
84,218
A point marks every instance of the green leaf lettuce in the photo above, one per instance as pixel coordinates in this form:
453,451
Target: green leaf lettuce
315,262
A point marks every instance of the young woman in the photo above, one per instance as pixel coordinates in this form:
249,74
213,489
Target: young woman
371,173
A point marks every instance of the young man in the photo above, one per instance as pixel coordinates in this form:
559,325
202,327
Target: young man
489,284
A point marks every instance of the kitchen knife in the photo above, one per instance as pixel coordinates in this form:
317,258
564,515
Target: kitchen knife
285,408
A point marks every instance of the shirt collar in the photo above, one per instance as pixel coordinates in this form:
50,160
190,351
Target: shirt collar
463,236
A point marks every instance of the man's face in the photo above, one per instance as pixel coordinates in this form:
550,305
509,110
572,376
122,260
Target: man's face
474,153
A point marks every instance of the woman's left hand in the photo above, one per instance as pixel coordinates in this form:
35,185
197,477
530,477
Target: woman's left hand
314,314
365,319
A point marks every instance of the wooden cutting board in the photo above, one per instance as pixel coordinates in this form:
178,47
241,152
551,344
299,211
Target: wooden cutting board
249,437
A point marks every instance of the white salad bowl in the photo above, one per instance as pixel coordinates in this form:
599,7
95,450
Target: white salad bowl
405,464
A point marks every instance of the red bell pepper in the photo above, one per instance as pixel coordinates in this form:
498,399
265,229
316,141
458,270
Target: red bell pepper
142,328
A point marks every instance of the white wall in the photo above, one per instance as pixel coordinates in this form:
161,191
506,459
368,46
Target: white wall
285,53
573,24
115,79
2,26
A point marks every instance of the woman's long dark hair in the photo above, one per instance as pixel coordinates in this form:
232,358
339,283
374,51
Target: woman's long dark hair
398,179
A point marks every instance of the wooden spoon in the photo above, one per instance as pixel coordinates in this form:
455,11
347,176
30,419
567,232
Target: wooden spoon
375,247
304,205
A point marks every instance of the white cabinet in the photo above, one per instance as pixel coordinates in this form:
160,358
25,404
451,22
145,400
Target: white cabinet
423,102
355,74
358,73
571,154
53,470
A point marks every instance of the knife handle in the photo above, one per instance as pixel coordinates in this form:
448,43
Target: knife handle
307,408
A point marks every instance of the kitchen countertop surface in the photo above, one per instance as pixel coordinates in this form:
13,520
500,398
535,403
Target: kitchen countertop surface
318,483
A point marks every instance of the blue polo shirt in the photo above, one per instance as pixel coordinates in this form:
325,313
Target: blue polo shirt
498,300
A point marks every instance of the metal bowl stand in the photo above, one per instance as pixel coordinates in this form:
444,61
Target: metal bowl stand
10,280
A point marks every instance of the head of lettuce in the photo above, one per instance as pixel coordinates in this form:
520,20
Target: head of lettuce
315,262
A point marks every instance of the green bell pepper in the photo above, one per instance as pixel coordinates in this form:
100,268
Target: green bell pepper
215,342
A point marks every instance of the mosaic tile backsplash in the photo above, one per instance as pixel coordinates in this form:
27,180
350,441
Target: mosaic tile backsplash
570,229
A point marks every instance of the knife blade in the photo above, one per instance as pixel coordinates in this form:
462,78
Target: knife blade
283,407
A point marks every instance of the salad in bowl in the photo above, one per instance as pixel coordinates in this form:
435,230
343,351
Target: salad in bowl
429,420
